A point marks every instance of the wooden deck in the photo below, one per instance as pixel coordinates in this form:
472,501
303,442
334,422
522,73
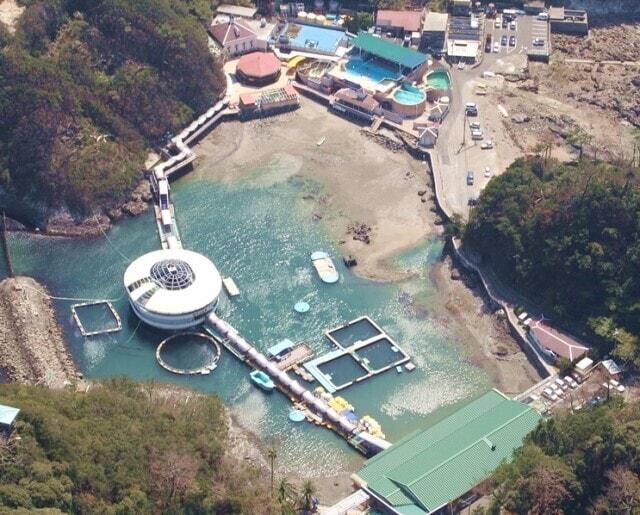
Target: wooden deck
299,354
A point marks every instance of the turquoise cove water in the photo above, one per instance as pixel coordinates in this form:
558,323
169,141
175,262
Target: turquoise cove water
261,235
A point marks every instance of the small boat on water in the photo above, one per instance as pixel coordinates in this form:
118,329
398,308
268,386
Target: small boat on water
325,267
262,380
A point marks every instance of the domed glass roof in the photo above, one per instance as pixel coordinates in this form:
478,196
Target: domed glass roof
172,274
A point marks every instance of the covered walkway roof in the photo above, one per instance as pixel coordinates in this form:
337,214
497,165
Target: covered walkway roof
428,469
389,51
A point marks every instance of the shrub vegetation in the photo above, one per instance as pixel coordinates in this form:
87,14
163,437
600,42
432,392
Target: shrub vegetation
86,86
123,448
575,464
569,236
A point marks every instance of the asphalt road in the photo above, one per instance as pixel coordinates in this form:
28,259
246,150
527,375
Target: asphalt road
456,153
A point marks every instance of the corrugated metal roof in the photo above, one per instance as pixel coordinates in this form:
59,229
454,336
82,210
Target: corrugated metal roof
388,51
439,464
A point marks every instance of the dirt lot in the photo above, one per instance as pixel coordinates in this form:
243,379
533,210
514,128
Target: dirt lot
581,89
544,107
608,43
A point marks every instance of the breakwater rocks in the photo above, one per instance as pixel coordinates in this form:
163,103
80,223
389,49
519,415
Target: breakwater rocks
32,348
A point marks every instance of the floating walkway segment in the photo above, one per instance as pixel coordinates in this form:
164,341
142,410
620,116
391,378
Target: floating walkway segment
159,177
292,388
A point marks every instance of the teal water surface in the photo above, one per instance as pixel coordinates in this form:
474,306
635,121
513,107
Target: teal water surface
439,80
262,236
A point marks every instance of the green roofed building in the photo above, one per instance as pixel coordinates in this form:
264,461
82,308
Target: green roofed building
388,51
427,470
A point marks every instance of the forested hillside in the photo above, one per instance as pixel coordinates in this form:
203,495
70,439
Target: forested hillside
86,86
568,236
588,462
123,449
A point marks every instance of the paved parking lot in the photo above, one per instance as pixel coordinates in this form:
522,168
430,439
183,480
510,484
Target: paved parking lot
456,155
527,29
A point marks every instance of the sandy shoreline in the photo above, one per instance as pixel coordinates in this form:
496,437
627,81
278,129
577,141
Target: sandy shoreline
32,346
349,179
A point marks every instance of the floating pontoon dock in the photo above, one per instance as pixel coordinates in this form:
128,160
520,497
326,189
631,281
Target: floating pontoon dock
297,355
361,345
317,409
231,287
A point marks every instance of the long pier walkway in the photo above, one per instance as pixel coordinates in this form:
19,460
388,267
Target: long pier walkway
317,407
181,156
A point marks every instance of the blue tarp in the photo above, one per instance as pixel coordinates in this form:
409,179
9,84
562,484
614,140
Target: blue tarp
280,348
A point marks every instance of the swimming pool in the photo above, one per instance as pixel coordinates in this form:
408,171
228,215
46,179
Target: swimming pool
310,38
357,68
409,95
439,80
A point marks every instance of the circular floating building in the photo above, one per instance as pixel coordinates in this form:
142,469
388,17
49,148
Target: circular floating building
258,68
172,289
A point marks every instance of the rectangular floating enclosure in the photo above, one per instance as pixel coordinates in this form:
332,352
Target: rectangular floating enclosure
363,351
357,330
95,318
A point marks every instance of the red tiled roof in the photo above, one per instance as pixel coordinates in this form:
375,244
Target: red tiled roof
232,30
258,64
410,21
247,99
558,342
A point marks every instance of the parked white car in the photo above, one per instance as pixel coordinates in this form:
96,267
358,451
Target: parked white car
549,394
561,383
487,145
570,381
556,389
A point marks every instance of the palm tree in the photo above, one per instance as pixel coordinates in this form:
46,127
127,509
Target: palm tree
286,496
272,455
308,491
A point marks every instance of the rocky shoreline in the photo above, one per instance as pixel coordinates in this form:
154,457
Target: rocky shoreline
64,224
32,347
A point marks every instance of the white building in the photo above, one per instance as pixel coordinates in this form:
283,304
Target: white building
172,289
239,36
